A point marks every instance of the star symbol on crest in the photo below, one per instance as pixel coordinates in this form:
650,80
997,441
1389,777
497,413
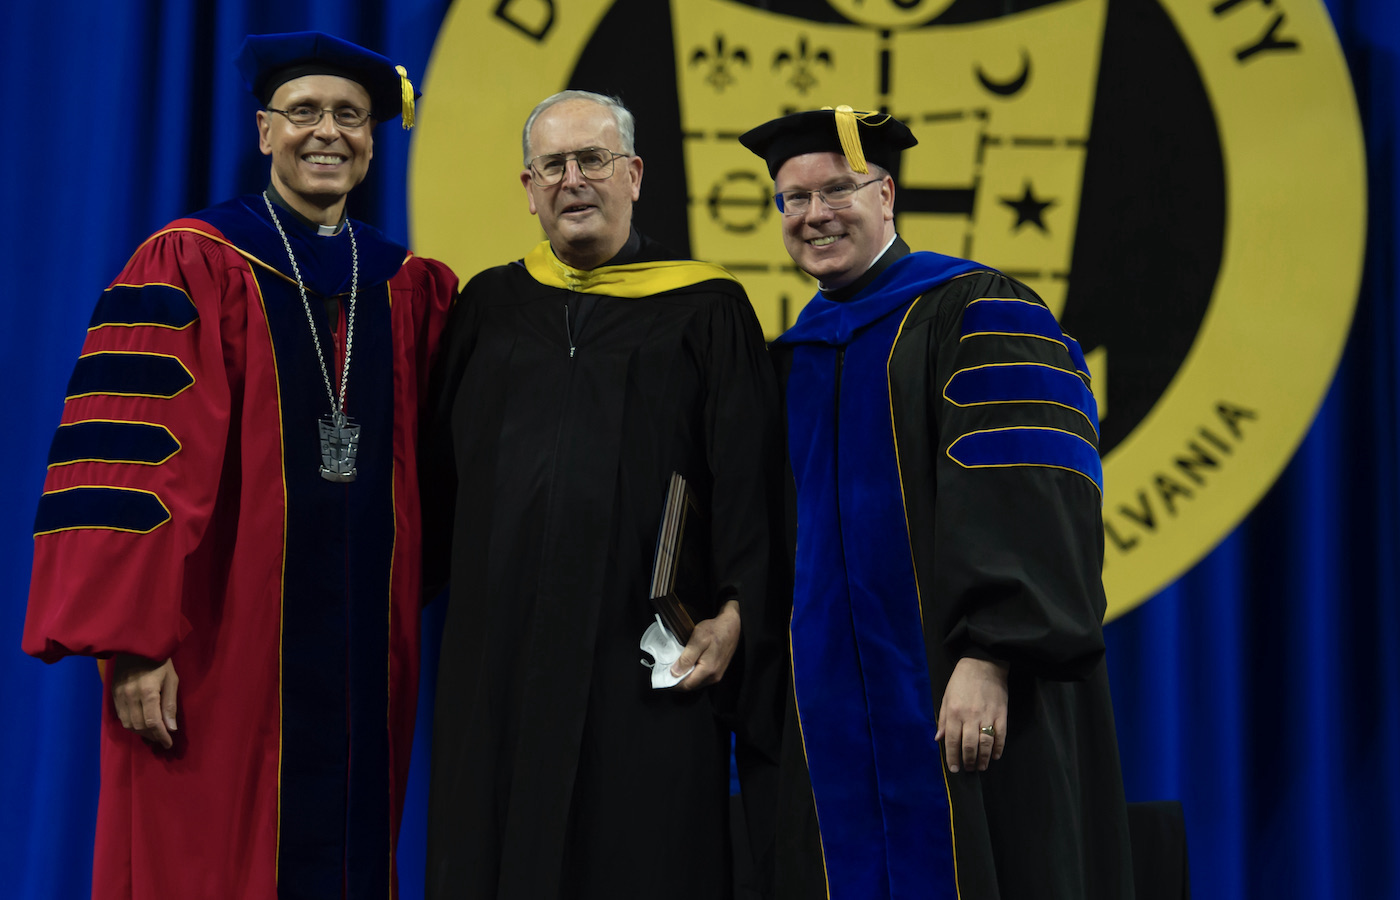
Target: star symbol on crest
1030,209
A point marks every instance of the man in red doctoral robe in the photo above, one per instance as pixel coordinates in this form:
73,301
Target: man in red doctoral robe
231,515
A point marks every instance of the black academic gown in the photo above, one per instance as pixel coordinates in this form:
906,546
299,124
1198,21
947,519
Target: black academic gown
1008,563
558,771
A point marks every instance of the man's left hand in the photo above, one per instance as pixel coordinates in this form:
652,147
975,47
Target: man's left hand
710,649
975,699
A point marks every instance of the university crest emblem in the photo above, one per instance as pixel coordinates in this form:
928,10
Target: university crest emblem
1182,181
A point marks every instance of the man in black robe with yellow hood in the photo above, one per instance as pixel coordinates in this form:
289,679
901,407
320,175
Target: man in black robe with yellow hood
950,732
575,381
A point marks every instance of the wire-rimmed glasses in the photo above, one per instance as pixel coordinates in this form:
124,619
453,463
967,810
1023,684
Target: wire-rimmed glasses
594,163
835,196
306,116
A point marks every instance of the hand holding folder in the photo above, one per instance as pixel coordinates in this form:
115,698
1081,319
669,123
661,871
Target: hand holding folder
680,577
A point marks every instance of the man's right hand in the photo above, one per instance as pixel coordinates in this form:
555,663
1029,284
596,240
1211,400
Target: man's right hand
972,717
143,691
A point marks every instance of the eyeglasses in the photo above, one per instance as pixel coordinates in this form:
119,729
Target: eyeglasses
306,116
835,196
594,163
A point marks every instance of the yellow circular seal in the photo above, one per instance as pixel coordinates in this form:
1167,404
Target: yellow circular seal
1182,182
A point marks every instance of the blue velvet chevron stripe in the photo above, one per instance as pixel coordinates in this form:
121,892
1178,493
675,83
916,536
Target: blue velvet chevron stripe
112,442
995,316
1028,446
128,375
159,305
117,509
1076,353
1022,382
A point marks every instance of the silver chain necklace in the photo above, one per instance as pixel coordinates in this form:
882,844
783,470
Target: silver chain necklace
340,435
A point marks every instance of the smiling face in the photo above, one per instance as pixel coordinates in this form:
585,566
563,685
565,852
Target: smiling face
835,246
314,167
586,222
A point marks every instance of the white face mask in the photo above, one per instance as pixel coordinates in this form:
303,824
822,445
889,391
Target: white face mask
663,647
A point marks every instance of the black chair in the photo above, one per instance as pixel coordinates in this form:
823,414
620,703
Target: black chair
1158,832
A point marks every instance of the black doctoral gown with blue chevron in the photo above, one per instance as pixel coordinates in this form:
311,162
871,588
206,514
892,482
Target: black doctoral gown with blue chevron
943,441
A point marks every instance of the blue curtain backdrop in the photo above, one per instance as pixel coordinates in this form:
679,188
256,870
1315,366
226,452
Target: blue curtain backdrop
1262,689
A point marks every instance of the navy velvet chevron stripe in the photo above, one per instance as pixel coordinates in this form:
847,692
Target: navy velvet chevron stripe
161,305
1028,446
1021,383
113,442
992,315
128,375
118,509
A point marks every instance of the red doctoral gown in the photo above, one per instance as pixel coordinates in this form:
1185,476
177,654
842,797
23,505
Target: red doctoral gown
184,517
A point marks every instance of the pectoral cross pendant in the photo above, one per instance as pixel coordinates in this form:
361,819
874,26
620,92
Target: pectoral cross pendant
340,441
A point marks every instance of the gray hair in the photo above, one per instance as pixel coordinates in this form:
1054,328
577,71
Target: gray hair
622,117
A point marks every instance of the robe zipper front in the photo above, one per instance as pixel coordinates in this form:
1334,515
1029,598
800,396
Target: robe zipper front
569,331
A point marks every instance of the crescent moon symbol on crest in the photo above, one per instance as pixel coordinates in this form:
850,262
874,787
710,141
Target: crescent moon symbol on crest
1007,88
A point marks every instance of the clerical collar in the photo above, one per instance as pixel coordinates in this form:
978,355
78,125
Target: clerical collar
627,253
895,249
322,230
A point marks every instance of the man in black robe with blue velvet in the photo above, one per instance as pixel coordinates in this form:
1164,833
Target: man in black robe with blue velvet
950,732
575,380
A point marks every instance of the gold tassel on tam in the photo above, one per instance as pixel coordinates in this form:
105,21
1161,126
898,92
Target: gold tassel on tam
848,130
407,87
